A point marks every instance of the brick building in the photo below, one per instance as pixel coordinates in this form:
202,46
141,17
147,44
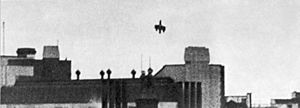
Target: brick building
47,83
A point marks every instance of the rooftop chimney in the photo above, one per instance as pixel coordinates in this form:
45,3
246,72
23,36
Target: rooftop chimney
26,52
51,52
196,55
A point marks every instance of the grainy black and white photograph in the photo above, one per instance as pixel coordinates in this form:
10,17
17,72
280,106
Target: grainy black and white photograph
149,54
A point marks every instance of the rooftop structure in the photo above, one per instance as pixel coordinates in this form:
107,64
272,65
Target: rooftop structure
198,70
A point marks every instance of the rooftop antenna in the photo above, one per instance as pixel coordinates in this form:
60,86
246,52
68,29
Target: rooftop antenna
57,42
0,26
149,61
141,62
3,30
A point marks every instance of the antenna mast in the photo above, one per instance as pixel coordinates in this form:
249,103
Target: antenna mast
149,61
141,62
1,27
3,30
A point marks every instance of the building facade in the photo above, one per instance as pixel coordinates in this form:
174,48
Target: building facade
293,102
198,70
241,101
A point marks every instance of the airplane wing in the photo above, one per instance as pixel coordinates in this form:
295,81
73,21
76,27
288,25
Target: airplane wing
156,27
163,28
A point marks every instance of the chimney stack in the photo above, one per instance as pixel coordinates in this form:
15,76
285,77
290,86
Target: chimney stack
51,52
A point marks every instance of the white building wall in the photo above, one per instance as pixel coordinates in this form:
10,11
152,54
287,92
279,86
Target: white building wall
14,71
8,74
295,105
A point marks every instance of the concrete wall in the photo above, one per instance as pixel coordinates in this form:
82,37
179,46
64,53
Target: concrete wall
212,80
211,77
8,74
3,68
45,69
198,69
14,71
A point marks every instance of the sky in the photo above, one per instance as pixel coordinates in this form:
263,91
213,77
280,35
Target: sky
258,41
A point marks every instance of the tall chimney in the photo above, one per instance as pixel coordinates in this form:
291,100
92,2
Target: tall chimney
51,52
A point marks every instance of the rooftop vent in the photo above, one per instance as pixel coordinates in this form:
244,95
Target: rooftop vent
51,52
196,55
26,52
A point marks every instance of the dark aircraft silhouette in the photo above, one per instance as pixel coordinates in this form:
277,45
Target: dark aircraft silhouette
160,27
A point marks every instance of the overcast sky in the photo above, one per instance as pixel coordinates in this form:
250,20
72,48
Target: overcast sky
258,41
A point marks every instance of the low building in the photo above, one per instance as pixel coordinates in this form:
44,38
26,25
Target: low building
47,83
242,101
294,102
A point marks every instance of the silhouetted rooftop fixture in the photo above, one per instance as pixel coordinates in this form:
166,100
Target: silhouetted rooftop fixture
150,70
143,74
102,74
133,72
25,52
108,73
77,73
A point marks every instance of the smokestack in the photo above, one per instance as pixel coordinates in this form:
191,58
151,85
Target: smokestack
51,52
26,52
